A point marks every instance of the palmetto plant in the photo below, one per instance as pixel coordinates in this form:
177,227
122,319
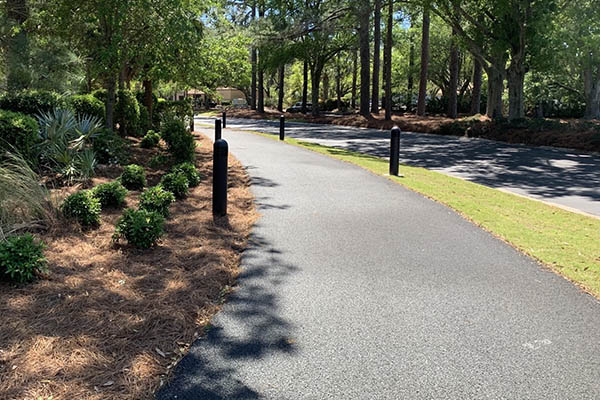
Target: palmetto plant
66,143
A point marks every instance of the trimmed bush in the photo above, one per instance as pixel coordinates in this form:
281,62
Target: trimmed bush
110,148
150,140
190,172
127,113
83,207
176,183
87,104
157,199
21,258
133,177
158,161
141,228
111,194
19,131
181,143
31,102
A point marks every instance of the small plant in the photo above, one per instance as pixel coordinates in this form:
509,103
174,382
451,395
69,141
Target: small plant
158,161
180,142
190,172
21,258
157,199
109,147
150,140
141,228
83,207
133,177
111,194
176,183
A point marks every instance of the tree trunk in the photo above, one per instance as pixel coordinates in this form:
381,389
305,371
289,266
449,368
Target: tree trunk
111,86
422,102
325,86
18,73
376,57
281,87
305,87
363,33
453,84
253,60
387,62
261,90
338,84
411,68
354,79
315,79
495,91
516,80
592,94
476,94
148,97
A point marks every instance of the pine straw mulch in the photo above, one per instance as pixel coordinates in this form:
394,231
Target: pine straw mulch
572,133
110,321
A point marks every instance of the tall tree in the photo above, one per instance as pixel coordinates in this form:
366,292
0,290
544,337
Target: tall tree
453,83
387,61
421,103
376,56
304,86
364,12
254,61
17,54
476,91
354,79
280,88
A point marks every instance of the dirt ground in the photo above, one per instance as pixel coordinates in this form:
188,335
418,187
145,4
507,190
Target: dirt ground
573,134
110,321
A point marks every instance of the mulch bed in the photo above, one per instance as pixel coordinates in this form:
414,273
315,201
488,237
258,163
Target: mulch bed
110,321
572,134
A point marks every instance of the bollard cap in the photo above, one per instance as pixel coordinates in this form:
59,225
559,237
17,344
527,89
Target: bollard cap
396,130
221,144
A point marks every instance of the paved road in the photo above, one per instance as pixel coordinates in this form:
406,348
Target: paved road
356,288
566,178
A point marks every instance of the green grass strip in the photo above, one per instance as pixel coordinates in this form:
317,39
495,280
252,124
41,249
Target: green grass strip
567,242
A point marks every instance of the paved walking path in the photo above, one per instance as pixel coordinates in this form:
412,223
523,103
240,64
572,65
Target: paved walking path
566,178
356,288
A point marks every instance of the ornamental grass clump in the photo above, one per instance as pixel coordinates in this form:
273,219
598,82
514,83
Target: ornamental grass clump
141,228
111,194
83,207
157,199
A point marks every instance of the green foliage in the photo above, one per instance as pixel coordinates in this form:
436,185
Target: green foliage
141,228
21,258
110,148
159,161
145,123
31,102
176,183
19,132
181,143
170,109
111,194
127,113
87,104
150,140
100,94
83,207
157,199
190,172
133,177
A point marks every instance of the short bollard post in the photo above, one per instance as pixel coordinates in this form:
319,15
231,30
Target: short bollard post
395,151
282,127
224,119
217,129
221,150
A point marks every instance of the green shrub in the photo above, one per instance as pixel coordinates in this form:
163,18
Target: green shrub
87,104
176,183
145,123
83,207
178,109
100,94
127,113
111,194
190,172
133,177
150,140
141,228
181,143
110,148
31,102
20,132
158,161
21,258
157,199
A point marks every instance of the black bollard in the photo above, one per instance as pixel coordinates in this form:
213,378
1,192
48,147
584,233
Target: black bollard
217,129
282,127
395,151
224,119
220,178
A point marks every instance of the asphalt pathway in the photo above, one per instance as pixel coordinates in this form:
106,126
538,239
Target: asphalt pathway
356,288
566,178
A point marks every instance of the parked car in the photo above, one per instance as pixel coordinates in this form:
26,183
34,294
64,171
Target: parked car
296,108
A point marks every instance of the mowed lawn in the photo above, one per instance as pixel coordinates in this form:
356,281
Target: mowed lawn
567,242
